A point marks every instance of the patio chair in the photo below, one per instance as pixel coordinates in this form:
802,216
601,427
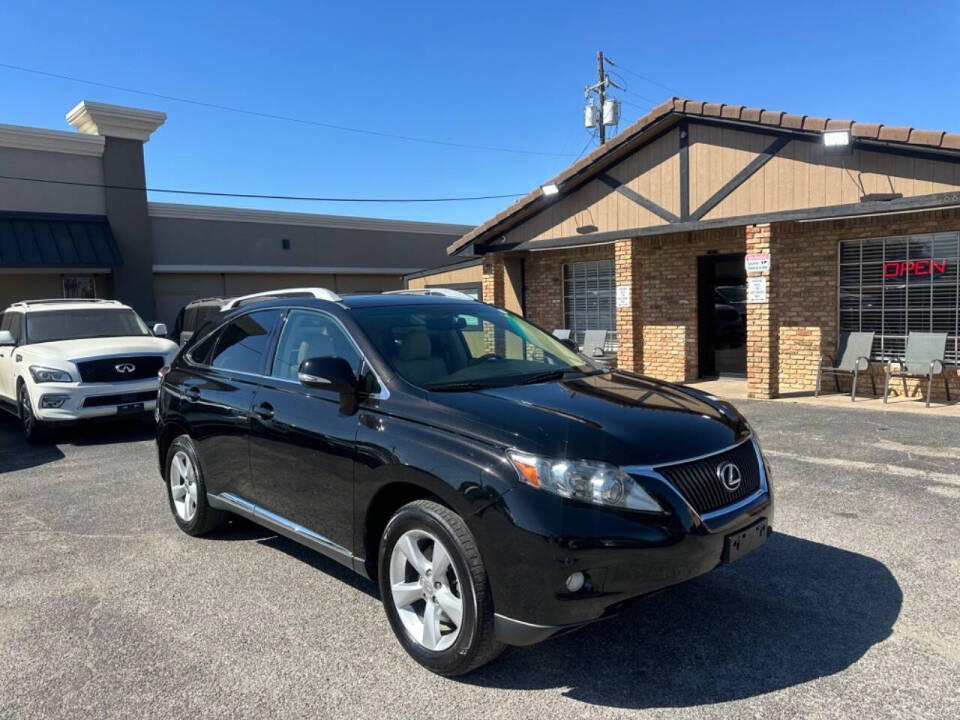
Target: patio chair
923,358
562,333
854,353
593,342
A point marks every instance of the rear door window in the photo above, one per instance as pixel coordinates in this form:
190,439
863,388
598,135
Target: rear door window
242,344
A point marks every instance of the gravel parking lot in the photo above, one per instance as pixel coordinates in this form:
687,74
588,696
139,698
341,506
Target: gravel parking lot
851,610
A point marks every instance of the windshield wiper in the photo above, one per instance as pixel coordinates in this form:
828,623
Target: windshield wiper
546,376
456,387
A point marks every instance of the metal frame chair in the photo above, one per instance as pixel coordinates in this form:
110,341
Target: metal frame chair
854,353
923,358
593,342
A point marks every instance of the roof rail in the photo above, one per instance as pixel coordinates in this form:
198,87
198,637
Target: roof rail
318,293
442,292
57,301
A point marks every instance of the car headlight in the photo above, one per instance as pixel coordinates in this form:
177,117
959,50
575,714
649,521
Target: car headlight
585,480
44,374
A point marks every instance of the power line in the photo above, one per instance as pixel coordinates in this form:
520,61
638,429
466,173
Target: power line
212,193
273,116
643,77
590,139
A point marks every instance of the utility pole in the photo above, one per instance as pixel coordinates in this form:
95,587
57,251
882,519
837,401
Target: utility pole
602,85
608,112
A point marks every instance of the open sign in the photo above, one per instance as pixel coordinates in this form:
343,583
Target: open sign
917,268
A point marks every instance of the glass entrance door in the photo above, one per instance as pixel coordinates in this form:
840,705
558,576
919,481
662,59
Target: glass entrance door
722,315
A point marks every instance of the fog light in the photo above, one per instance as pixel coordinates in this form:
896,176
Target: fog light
575,581
53,401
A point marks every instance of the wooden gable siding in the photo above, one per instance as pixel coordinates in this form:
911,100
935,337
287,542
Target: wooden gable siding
800,176
457,276
652,171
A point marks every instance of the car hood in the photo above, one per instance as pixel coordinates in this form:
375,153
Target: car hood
616,417
103,347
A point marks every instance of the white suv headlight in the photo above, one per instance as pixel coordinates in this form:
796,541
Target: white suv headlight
44,374
585,480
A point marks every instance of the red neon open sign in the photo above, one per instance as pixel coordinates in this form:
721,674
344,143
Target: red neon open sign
918,268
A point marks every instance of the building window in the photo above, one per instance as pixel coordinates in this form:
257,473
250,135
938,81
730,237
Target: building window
897,285
79,286
588,300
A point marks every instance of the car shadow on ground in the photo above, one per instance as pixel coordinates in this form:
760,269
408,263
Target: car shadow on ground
17,454
791,612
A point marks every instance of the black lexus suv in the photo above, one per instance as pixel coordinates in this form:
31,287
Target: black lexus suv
499,487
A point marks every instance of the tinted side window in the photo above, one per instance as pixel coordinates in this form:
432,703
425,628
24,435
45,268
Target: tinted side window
242,343
308,335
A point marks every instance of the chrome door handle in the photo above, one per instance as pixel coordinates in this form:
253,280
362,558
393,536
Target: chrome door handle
264,410
193,393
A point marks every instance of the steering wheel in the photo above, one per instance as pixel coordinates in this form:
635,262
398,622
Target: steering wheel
487,356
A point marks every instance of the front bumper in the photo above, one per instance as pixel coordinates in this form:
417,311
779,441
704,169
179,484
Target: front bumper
83,401
538,540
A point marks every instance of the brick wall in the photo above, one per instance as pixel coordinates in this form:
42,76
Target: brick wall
629,272
805,270
543,277
785,337
669,298
762,348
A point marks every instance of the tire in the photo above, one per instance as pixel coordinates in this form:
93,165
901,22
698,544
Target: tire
411,597
34,430
187,491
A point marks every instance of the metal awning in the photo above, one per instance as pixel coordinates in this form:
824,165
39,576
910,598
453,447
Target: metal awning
31,240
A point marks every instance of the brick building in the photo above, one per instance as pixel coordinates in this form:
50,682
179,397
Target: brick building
846,226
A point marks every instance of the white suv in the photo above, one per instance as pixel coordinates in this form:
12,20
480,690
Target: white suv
66,360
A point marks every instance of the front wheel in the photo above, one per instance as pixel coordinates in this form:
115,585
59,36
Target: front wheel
33,429
435,589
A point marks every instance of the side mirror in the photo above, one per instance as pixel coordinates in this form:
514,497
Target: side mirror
328,373
334,374
7,339
567,342
160,330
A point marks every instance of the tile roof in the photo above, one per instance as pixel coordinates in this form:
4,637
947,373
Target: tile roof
682,107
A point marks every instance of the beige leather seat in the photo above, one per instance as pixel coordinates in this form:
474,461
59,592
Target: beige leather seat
415,361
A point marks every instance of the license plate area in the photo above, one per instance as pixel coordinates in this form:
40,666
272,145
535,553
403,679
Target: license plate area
130,409
738,544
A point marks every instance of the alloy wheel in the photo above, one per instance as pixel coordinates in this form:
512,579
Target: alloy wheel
425,590
183,486
26,412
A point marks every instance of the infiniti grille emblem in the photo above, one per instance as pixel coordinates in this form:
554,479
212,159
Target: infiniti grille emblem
125,368
729,475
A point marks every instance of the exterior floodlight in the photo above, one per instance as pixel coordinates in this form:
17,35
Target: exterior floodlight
550,189
837,142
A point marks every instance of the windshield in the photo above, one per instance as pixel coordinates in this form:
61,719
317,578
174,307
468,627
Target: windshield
467,347
52,325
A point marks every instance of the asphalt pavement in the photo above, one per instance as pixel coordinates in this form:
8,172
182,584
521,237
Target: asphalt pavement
851,610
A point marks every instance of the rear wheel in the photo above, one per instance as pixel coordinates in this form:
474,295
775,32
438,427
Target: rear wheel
33,429
187,492
435,589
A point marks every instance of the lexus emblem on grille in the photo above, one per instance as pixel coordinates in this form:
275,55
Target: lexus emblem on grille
125,368
729,474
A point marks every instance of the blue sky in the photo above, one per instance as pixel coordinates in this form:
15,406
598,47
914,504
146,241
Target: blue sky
498,74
